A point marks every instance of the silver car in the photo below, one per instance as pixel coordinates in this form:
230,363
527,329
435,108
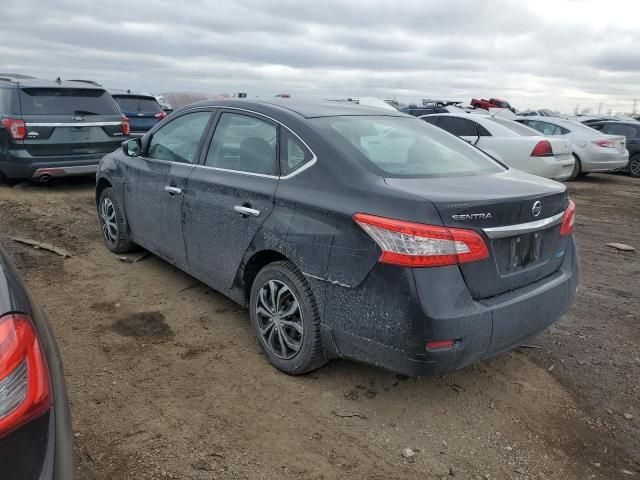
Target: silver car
593,151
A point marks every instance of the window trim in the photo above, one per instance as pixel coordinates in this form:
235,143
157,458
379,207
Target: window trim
220,108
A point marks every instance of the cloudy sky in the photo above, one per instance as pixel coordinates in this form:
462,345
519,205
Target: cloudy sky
540,53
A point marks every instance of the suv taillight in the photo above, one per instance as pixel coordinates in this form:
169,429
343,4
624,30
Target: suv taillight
24,377
542,149
418,245
17,128
126,126
160,115
568,219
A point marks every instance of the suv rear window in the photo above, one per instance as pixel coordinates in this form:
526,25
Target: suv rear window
129,103
405,147
66,101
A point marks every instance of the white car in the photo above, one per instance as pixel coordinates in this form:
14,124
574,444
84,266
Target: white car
511,143
594,151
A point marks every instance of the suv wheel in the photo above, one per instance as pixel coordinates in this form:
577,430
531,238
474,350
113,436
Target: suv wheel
114,228
634,166
577,168
285,318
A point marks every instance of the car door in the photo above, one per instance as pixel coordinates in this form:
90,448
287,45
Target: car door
156,181
230,194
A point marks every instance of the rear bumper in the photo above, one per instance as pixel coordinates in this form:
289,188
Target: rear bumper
604,162
561,165
34,167
389,324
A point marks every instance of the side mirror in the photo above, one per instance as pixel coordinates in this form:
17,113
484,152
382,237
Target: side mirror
132,147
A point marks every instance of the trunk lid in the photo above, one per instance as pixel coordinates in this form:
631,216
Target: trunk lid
492,205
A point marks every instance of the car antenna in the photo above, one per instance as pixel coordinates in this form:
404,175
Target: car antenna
58,80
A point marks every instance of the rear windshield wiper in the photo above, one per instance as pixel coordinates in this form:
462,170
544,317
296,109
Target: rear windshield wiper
84,112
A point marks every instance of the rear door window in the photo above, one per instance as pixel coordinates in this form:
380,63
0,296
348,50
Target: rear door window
459,126
244,144
129,103
178,140
66,101
618,129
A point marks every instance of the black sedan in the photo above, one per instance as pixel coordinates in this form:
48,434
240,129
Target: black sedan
35,425
348,231
631,130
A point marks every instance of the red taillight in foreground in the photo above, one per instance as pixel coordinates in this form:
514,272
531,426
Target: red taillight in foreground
568,219
160,115
17,128
126,126
542,149
24,377
606,143
417,245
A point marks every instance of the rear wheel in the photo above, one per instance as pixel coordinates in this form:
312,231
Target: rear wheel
114,227
285,318
634,166
3,178
577,168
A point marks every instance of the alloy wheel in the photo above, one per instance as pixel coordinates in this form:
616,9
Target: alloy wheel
279,319
108,221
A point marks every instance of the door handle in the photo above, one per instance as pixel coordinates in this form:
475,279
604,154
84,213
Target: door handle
246,210
173,190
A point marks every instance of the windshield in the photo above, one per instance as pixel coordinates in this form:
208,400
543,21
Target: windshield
66,101
516,127
405,147
129,103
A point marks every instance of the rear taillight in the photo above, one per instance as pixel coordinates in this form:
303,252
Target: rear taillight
606,143
568,219
24,377
417,245
17,128
161,115
126,126
542,149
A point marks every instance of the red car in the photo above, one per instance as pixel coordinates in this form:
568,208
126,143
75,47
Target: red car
491,103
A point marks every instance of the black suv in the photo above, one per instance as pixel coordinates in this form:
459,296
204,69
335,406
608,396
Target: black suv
55,128
631,130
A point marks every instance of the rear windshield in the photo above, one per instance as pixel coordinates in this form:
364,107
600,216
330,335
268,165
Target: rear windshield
405,147
516,127
129,103
66,101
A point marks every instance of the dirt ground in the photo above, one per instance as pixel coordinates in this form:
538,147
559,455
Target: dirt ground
167,381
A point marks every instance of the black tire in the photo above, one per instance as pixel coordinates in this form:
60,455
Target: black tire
3,178
309,354
577,168
633,169
117,241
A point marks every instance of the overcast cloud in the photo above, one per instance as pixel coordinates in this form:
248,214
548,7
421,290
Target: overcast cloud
541,53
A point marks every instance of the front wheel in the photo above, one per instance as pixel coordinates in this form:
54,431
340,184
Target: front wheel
634,166
285,318
114,227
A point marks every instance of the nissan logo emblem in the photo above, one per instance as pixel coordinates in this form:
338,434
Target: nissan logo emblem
536,210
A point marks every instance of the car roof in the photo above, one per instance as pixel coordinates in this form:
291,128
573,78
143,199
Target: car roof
303,108
44,83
